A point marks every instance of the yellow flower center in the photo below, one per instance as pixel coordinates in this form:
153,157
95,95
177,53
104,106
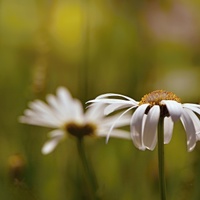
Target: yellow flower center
80,130
155,97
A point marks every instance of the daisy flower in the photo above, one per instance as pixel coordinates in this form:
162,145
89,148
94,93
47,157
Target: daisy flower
149,110
66,117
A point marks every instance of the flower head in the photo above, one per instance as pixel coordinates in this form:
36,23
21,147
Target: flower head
152,107
66,116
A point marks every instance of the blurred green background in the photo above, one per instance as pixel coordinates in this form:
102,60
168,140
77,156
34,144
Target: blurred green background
92,47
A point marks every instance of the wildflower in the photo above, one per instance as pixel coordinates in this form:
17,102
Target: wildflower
65,115
149,110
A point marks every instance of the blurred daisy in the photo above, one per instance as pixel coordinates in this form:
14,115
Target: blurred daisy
65,115
152,107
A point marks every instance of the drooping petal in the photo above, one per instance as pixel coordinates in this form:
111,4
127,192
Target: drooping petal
114,107
116,133
51,144
56,133
94,111
168,129
136,126
193,107
189,127
195,120
124,120
116,121
150,127
175,109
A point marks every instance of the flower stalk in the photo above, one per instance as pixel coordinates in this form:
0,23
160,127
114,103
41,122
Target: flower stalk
91,178
161,162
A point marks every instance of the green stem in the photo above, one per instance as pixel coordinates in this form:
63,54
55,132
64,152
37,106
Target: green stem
87,169
161,159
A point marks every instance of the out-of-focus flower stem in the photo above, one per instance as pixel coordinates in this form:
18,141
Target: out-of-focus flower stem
91,178
161,159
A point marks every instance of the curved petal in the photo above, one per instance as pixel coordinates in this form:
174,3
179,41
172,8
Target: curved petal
113,107
116,95
136,126
56,133
112,101
195,120
108,121
94,111
150,127
116,121
116,133
168,129
189,127
193,107
175,109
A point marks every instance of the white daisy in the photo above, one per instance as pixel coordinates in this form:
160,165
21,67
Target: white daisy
152,107
65,115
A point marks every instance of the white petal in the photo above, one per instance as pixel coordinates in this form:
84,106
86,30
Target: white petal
168,129
193,107
56,133
116,95
56,106
61,110
112,101
40,114
51,144
136,125
189,127
78,113
116,133
108,121
113,107
37,121
195,120
175,109
94,111
65,100
150,128
64,94
40,119
39,106
116,121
